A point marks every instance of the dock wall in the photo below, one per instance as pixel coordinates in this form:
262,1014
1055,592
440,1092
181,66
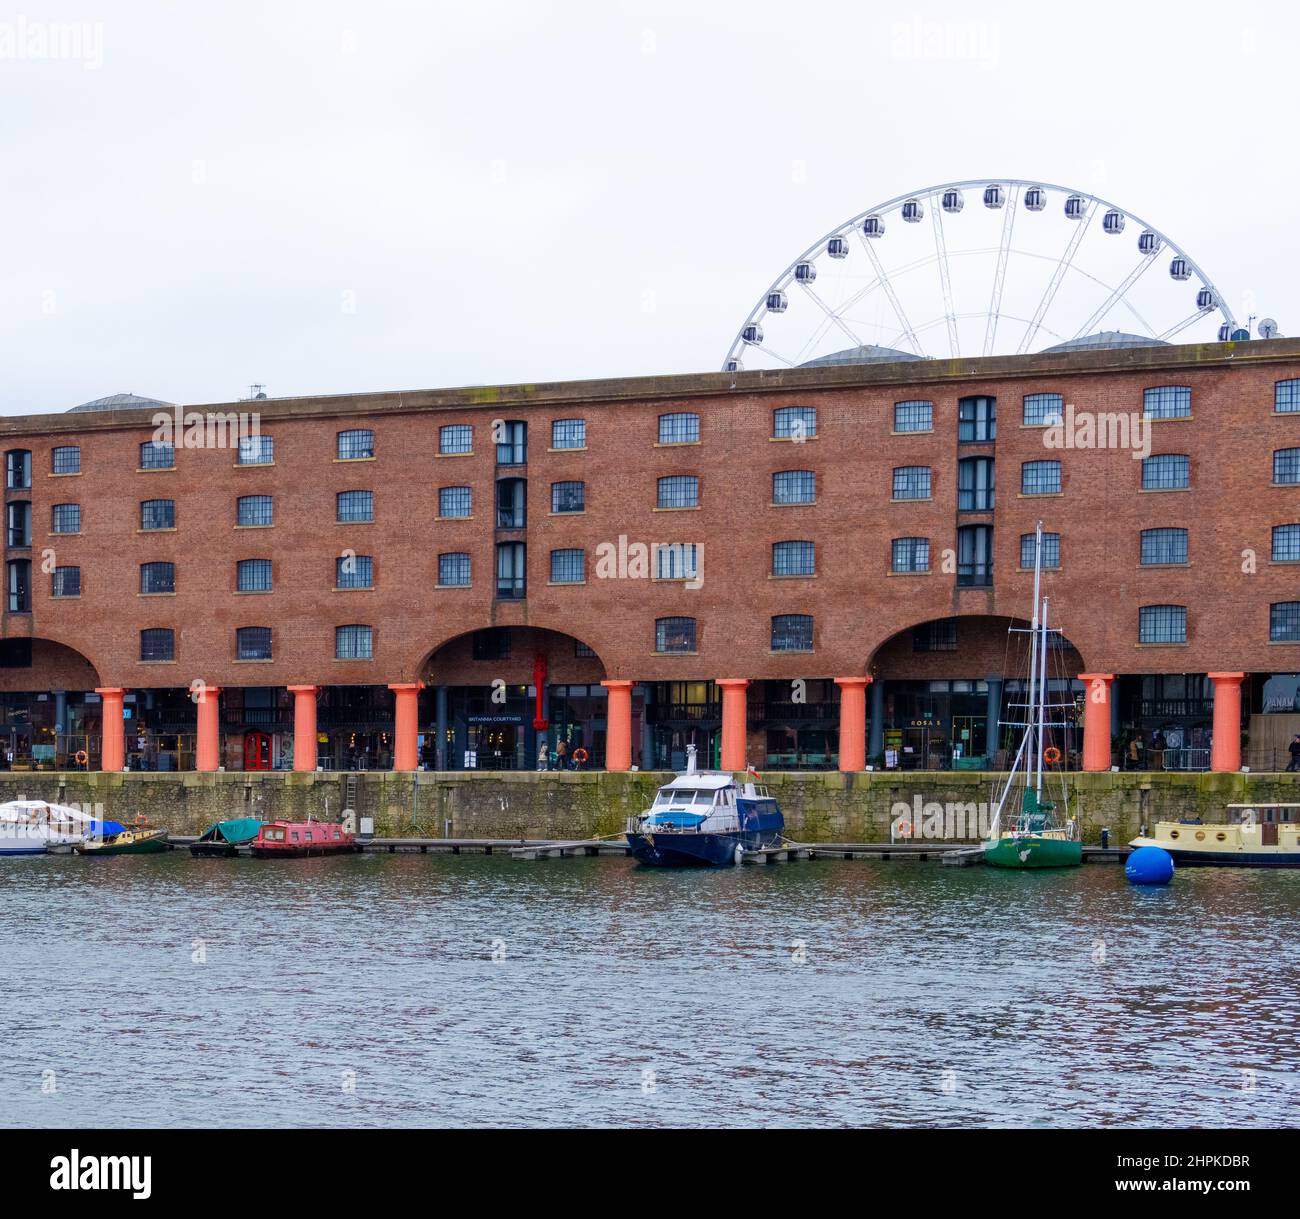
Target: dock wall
818,806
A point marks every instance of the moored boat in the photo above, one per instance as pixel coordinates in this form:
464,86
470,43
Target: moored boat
704,819
134,840
1255,836
34,827
224,838
294,839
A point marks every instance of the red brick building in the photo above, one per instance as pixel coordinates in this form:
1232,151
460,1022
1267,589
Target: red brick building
796,569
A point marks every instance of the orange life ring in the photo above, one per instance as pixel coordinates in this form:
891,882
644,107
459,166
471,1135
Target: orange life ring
82,757
1051,755
903,829
579,754
141,819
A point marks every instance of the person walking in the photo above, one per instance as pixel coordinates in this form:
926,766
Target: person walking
1294,764
561,754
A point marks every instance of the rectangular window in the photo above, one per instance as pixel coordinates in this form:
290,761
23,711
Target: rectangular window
253,643
453,570
679,491
354,571
940,636
66,518
454,502
256,450
677,561
157,456
1162,624
1040,477
977,419
356,444
158,643
794,559
158,514
1043,410
794,487
253,575
910,555
1051,550
568,434
974,556
354,643
675,635
567,567
976,488
1167,402
914,416
1163,547
912,482
794,422
512,580
1284,622
682,427
20,590
253,510
568,497
493,643
1166,472
456,438
512,448
66,459
1286,543
18,469
157,578
1286,397
355,506
66,582
792,633
1286,467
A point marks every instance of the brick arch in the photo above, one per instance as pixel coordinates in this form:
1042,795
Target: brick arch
451,661
55,666
984,646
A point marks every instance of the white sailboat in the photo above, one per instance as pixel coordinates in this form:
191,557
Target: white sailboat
33,827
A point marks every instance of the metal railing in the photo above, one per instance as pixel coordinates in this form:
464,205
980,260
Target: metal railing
1186,759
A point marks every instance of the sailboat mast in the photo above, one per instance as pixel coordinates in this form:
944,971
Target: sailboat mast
1031,717
1042,703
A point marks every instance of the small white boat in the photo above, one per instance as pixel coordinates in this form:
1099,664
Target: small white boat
33,827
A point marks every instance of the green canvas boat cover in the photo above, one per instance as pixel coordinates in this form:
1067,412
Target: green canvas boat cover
243,829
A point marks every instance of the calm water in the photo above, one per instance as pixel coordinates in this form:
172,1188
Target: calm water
382,966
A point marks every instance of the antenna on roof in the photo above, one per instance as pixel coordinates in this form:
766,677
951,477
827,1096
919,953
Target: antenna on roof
256,393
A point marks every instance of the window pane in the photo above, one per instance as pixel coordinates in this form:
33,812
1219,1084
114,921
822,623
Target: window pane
792,633
1163,546
1286,466
1286,396
66,459
680,428
157,456
353,643
354,571
254,509
1167,402
1043,410
1040,477
456,438
679,491
794,487
453,569
1166,471
512,449
938,636
158,514
975,484
1284,622
356,444
912,482
675,635
914,416
454,501
66,582
1051,550
67,518
1162,624
256,450
977,419
356,506
793,559
910,554
569,434
253,575
157,643
794,422
568,497
676,561
157,578
1286,543
253,643
567,567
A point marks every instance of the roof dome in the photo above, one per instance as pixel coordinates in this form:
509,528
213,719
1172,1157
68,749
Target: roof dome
121,402
862,355
1106,339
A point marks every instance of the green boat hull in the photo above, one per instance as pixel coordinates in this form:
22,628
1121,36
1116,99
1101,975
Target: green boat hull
1032,851
148,844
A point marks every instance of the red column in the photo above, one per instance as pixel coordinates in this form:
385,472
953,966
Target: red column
304,727
1225,748
733,721
406,727
113,749
853,722
207,750
618,725
1096,720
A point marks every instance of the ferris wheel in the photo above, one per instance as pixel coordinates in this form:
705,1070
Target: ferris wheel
983,267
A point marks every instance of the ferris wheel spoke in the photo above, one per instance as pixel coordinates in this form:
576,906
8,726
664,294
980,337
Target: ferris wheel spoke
883,280
1117,294
945,278
834,318
1058,277
1187,321
1000,272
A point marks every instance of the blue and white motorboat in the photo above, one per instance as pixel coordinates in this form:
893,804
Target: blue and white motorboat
705,818
34,827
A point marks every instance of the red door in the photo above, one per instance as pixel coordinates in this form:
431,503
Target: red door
257,751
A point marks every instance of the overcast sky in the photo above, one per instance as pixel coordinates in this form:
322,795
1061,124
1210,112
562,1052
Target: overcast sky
337,195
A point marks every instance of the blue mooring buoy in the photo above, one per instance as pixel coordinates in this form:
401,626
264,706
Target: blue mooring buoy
1149,866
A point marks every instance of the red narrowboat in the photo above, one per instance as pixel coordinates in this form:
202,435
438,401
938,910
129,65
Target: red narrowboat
293,839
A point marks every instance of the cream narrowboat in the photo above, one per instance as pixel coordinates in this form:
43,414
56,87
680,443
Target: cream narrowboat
1255,836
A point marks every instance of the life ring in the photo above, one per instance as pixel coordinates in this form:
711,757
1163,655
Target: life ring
579,755
82,757
903,829
1051,755
141,819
